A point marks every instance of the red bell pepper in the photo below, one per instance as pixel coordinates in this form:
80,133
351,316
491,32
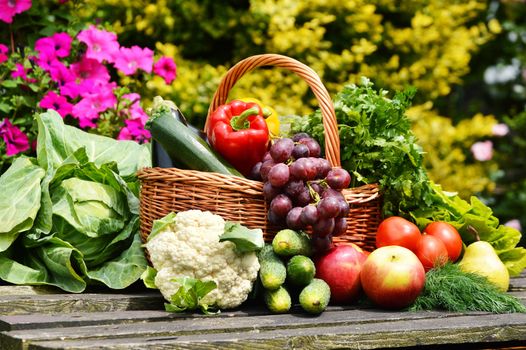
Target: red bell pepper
238,131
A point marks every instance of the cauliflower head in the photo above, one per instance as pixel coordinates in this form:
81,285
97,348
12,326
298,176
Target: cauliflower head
187,245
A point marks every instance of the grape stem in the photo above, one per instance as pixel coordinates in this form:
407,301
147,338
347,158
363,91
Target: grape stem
314,194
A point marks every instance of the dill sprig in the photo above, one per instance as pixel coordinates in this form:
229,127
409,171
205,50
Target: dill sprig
449,288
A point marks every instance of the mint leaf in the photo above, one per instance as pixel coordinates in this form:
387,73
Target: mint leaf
246,240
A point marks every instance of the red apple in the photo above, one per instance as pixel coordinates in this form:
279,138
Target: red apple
340,268
392,277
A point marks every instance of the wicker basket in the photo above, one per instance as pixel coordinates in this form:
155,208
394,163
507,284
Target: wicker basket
164,190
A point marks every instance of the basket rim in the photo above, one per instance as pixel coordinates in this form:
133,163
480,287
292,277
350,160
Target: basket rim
332,138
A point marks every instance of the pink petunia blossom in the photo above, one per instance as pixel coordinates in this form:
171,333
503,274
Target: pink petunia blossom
20,71
46,45
16,141
500,129
62,43
45,60
131,59
9,8
60,73
88,68
166,68
516,224
134,130
3,51
482,151
135,110
88,108
56,102
102,45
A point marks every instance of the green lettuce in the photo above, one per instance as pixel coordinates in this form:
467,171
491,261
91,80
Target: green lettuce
70,216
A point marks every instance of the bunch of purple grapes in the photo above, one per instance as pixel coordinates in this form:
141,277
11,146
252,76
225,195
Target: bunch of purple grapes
304,190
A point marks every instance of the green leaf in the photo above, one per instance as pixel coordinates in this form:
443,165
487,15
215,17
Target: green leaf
9,84
51,262
161,224
56,141
20,199
189,295
123,270
148,278
245,239
515,260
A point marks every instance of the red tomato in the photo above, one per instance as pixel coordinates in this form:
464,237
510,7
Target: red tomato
396,230
431,251
448,235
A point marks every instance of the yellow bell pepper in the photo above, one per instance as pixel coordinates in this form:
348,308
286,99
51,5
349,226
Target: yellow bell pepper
271,116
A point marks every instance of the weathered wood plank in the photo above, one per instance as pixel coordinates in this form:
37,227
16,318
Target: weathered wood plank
360,335
28,290
518,283
53,303
212,325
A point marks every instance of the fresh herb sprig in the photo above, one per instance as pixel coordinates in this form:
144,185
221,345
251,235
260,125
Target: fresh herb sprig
449,288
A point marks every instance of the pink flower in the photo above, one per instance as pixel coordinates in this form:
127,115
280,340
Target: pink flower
89,107
15,140
59,45
516,224
19,72
482,151
135,110
88,68
9,8
165,68
62,43
60,73
59,103
3,50
131,59
500,129
102,45
46,59
134,130
89,76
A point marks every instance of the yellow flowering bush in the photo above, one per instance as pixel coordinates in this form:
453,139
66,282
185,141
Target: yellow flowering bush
447,158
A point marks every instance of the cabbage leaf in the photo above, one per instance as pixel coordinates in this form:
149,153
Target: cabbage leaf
70,216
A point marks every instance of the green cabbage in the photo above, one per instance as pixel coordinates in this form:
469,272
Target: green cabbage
70,216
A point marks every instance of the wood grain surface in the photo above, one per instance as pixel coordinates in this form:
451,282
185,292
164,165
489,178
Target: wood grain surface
36,318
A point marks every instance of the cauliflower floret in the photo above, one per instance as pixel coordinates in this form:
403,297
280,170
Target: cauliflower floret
190,247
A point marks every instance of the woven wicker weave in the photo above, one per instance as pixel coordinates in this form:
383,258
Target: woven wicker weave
164,190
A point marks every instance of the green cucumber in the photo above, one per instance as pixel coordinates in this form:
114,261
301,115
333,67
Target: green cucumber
288,243
300,271
272,271
183,145
315,297
278,301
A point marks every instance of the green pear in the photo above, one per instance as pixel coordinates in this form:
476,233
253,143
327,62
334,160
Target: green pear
480,258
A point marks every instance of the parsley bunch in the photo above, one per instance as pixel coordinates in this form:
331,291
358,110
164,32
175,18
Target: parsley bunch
377,144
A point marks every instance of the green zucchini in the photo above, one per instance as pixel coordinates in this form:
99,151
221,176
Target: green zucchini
184,147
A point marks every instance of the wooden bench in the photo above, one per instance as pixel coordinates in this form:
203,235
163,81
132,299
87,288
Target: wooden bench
45,318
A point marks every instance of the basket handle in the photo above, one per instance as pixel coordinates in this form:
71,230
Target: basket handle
332,139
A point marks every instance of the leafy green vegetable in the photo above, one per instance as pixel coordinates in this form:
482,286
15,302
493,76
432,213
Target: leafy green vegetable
245,239
20,199
378,146
189,296
449,288
148,277
76,218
